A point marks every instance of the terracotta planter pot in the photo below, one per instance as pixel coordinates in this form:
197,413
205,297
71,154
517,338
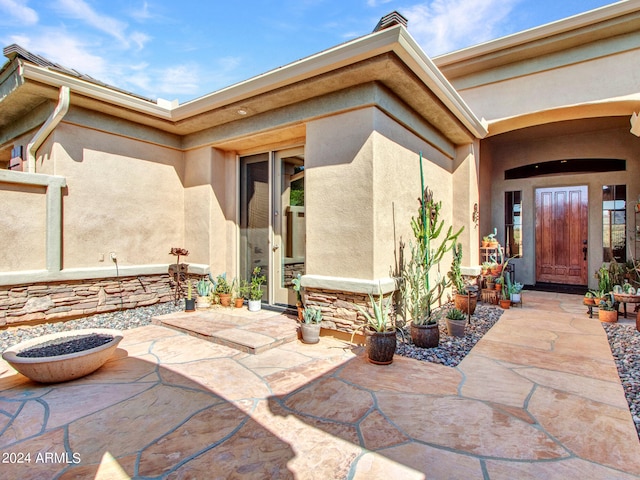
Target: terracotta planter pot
380,346
300,312
498,287
456,327
310,332
485,244
425,336
62,368
491,285
239,302
466,303
608,316
505,303
638,321
589,301
225,299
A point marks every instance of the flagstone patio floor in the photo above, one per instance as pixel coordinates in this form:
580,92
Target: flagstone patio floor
538,397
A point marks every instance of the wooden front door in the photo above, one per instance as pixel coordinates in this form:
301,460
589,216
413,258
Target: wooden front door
561,235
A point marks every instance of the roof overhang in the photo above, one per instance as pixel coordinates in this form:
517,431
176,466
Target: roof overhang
595,25
326,72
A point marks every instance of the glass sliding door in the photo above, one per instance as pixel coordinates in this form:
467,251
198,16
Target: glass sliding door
272,221
289,223
254,216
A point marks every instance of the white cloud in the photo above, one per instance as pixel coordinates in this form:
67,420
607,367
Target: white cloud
442,26
80,10
66,50
17,10
179,80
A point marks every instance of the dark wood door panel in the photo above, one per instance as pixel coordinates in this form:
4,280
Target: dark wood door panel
561,228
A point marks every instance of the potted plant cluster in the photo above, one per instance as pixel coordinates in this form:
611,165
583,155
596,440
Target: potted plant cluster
310,326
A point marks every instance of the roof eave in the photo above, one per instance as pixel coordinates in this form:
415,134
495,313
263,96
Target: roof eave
532,35
396,39
92,90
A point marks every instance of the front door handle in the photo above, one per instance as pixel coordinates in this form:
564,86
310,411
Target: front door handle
584,249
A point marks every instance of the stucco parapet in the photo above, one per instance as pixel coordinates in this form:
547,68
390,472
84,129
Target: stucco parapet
355,285
472,271
25,178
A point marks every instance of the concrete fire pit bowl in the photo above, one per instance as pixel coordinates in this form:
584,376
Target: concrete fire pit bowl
62,367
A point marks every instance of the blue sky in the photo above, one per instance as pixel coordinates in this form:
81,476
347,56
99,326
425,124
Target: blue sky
186,49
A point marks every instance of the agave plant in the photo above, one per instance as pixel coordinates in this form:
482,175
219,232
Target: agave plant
380,320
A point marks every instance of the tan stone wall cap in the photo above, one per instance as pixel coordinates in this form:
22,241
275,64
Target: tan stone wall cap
355,285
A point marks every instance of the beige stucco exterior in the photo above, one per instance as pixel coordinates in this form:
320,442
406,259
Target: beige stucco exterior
136,177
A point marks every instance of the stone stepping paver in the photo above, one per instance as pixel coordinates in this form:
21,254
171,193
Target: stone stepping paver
250,332
170,405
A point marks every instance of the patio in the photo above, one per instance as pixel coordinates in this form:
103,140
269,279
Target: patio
538,397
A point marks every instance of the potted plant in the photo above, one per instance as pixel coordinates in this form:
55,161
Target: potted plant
255,290
423,327
516,290
491,282
490,239
505,280
203,287
296,288
607,311
223,290
456,322
189,302
420,291
310,326
237,299
486,267
499,282
465,300
589,298
379,331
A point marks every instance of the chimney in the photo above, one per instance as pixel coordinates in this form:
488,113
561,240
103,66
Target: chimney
391,20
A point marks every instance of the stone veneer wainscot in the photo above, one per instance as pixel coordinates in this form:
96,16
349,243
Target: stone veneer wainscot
39,302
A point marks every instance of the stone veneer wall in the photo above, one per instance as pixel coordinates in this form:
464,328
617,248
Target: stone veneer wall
20,304
339,309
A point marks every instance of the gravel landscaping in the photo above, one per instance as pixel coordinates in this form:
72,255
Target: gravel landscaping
623,339
452,350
